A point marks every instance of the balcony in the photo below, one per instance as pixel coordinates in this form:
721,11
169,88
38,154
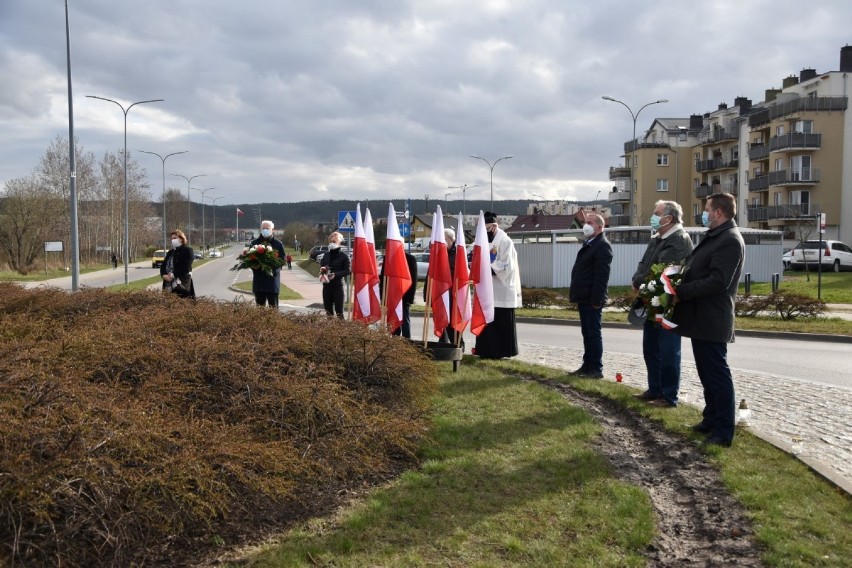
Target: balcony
728,186
804,176
795,141
758,183
618,196
717,135
758,152
633,145
618,221
797,105
616,172
791,211
716,164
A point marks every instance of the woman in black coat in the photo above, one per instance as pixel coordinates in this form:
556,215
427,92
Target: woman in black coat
334,267
176,270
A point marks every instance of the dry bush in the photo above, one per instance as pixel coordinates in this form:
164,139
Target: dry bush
138,428
786,305
621,302
539,298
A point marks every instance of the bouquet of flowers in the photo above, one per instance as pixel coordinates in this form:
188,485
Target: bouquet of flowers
259,257
324,276
658,293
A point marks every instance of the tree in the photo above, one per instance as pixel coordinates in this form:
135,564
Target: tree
298,230
22,228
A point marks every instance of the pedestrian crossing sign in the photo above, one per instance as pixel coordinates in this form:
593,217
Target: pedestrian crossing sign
346,221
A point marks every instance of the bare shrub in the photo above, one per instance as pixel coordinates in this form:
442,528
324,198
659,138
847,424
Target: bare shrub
135,425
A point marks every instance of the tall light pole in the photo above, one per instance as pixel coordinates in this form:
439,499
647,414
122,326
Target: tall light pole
72,178
188,199
491,166
464,189
202,192
163,159
126,206
633,146
214,200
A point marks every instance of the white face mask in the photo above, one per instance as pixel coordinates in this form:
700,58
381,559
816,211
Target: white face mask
333,246
266,233
176,242
588,230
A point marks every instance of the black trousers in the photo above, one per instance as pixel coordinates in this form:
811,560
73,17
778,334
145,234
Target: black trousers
332,297
261,298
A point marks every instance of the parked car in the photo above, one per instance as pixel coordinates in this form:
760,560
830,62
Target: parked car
833,255
422,259
215,253
158,259
787,258
197,254
317,250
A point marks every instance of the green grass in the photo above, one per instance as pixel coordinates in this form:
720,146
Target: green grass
285,294
836,287
40,275
510,477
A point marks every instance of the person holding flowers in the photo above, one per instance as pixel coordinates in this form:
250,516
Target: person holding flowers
266,280
334,267
704,312
670,245
176,269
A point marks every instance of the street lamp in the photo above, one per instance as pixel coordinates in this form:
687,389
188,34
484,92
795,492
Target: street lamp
163,159
491,166
214,200
188,199
126,206
633,146
464,189
202,192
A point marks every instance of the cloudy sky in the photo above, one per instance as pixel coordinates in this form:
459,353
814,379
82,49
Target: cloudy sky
297,100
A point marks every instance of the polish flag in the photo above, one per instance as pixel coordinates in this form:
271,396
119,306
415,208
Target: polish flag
461,290
239,213
375,296
397,276
363,269
439,275
480,274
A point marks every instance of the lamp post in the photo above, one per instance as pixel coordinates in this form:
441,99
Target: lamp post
214,200
464,189
633,146
163,159
126,205
202,192
491,166
188,199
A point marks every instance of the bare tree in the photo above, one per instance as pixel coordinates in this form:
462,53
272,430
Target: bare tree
22,227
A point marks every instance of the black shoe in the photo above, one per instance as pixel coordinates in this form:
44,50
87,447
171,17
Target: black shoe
647,395
701,428
716,441
581,371
592,375
662,403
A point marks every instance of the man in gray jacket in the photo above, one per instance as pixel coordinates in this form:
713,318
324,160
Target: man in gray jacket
661,347
704,312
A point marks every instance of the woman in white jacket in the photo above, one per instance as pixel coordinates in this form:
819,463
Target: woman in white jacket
499,338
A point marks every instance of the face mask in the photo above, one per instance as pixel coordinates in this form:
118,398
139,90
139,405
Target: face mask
333,246
705,219
588,230
176,242
266,233
655,222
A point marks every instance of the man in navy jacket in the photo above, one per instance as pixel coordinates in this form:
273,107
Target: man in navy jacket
589,282
704,312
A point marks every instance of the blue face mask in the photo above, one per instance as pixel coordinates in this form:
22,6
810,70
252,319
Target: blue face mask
705,219
266,233
655,222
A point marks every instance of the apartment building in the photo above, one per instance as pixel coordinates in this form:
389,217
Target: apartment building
786,159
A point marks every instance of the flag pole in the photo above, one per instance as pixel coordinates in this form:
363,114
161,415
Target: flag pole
384,304
349,283
426,312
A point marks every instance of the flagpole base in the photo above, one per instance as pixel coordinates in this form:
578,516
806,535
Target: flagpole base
442,352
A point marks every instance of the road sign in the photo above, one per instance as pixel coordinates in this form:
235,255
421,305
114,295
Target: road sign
346,221
404,229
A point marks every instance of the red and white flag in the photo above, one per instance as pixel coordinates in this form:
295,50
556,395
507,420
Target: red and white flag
375,296
480,274
461,290
439,275
397,275
363,270
239,213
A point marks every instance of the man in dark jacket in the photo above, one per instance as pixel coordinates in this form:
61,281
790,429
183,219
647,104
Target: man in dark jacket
450,335
589,281
704,312
334,267
266,288
407,299
661,347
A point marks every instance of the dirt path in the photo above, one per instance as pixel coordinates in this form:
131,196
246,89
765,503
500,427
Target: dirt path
699,523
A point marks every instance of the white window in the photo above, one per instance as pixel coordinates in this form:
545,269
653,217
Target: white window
779,130
757,172
778,198
801,198
800,168
779,164
662,184
662,159
803,126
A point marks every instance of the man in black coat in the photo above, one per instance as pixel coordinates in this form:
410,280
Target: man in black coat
407,299
704,312
334,267
450,335
589,282
265,287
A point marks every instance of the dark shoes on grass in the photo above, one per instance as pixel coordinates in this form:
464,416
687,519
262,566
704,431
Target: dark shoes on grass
587,374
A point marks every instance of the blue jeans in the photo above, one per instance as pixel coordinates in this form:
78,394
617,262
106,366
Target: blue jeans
590,326
711,361
661,349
